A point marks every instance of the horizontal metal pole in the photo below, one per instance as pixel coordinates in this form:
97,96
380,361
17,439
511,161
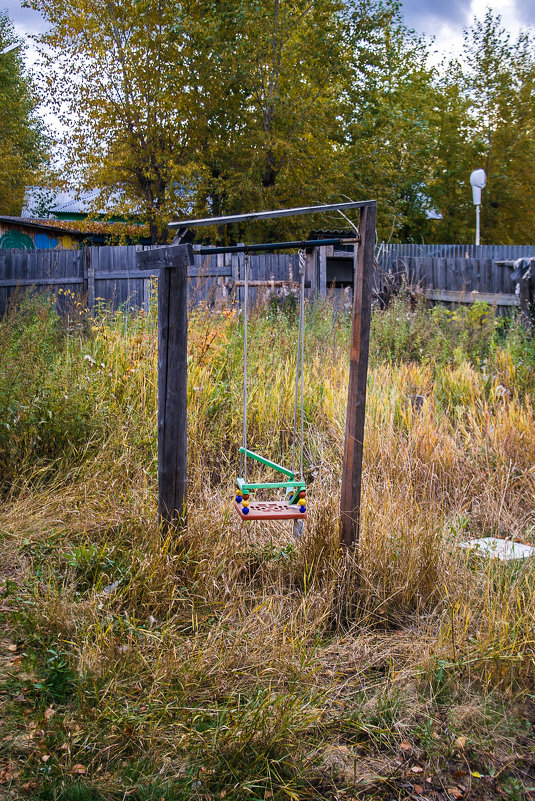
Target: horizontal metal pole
308,243
268,215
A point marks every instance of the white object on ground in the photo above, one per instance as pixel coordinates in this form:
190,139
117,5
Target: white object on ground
500,549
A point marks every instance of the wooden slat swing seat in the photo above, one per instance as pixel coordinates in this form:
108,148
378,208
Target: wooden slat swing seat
293,505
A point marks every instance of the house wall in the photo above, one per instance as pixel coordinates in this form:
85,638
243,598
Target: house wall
25,237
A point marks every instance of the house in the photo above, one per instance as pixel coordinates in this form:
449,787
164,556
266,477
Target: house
24,234
60,220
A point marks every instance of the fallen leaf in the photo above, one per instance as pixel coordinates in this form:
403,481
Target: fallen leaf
49,712
12,648
7,775
79,769
476,775
405,746
45,757
417,769
28,786
460,742
20,698
454,792
418,789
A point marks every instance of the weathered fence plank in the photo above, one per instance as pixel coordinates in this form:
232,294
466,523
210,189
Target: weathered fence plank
111,275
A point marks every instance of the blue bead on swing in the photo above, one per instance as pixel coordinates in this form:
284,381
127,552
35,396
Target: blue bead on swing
302,509
245,510
239,499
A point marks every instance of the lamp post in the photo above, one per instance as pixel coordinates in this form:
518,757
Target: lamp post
478,179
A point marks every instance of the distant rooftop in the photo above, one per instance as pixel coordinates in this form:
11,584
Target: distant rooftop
41,202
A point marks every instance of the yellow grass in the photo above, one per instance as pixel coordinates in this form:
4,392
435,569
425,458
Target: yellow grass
233,661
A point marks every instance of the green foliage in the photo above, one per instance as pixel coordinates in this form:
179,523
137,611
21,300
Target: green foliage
77,790
48,410
59,681
22,139
489,125
408,331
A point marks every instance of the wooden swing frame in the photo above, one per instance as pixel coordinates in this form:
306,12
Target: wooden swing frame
172,263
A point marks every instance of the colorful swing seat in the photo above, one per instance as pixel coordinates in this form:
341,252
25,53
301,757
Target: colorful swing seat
291,508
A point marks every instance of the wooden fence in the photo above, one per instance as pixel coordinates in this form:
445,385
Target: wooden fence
448,273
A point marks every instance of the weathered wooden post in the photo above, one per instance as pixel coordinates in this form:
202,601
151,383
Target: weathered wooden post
358,373
172,264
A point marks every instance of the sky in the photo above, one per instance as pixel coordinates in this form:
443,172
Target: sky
443,19
446,19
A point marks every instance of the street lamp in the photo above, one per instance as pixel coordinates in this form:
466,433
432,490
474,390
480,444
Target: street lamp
478,179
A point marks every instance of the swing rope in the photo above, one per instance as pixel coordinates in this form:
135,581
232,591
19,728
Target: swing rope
299,376
246,294
299,373
293,505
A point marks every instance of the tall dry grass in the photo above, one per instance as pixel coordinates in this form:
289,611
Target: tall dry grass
234,661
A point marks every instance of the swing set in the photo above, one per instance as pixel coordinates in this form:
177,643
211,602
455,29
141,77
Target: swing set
171,264
293,505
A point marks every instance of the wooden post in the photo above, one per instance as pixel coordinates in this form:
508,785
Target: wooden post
172,262
358,373
90,278
322,271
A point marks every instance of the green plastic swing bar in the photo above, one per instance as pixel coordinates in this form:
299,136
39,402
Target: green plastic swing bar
292,484
270,485
262,460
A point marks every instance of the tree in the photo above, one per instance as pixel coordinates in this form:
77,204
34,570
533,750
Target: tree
116,73
392,128
495,82
207,106
22,138
274,139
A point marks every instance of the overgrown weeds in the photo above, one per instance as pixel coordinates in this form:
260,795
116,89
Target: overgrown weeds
235,662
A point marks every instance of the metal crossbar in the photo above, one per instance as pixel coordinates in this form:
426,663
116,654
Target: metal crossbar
269,215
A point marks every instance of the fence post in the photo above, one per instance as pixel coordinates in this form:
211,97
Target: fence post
172,263
358,373
89,276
